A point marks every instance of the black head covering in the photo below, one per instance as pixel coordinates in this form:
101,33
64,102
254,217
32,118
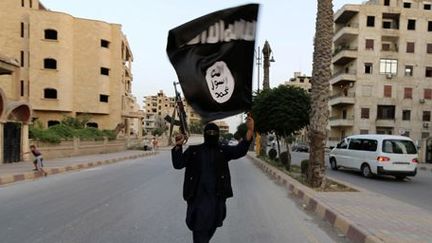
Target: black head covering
211,134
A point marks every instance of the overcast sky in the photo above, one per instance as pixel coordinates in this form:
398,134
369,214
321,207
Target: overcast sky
288,26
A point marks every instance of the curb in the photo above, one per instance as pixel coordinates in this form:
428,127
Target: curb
312,203
12,178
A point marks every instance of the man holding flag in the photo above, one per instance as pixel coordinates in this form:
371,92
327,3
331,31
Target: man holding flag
213,59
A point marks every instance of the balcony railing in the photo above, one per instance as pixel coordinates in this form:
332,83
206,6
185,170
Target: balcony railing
343,48
350,72
341,95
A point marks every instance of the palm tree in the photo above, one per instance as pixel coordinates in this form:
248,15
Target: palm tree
321,74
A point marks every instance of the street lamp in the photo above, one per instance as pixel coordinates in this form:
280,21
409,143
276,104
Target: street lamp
258,59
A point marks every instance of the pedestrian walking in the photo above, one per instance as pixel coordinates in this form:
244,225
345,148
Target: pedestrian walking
38,161
207,182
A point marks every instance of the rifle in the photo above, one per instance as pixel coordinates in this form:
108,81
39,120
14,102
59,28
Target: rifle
181,113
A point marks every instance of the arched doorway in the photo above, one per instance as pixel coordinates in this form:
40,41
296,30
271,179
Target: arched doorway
18,114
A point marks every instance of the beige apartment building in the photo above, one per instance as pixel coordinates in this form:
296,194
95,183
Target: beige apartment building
382,68
304,82
156,107
68,66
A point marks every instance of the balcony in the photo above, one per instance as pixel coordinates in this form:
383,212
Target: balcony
337,121
346,13
344,55
346,34
343,78
342,99
385,122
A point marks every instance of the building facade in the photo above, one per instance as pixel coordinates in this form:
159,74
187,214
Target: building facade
157,107
382,70
304,82
68,66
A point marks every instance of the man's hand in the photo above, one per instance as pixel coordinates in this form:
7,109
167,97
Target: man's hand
250,124
180,139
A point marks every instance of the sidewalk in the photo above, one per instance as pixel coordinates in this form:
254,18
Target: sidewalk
361,216
424,166
13,172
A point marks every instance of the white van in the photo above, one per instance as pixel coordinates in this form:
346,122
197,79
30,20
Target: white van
376,155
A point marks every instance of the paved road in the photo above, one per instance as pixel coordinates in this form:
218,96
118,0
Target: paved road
140,201
415,190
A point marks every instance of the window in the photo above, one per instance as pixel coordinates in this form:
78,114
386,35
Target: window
369,44
388,91
355,144
407,93
429,26
385,46
105,43
50,93
387,24
409,69
428,72
22,3
406,5
342,145
411,24
429,48
103,98
370,21
386,2
22,58
31,3
427,6
364,131
104,71
388,66
368,68
50,63
53,123
92,124
426,115
386,112
22,30
22,87
399,147
410,47
406,115
427,94
363,144
50,34
364,113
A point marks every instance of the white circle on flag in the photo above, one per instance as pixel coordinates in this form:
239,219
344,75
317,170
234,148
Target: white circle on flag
220,82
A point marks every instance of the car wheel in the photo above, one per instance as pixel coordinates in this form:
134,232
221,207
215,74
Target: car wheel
333,164
400,178
366,171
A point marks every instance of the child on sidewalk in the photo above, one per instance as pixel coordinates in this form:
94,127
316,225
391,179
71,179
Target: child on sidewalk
38,162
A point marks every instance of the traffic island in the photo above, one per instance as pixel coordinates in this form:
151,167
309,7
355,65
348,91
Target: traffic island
362,216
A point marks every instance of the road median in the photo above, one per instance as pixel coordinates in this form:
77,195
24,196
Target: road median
361,216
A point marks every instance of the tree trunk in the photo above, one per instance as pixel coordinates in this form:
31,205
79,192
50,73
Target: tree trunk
321,74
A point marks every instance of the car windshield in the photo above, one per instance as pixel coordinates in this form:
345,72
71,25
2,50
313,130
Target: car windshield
399,147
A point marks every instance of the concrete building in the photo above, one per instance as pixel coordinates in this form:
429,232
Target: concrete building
156,107
301,81
68,66
382,68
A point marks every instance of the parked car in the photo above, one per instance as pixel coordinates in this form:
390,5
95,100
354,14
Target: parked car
300,148
376,155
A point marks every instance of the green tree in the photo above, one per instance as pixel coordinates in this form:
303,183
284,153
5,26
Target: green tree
196,127
282,110
321,73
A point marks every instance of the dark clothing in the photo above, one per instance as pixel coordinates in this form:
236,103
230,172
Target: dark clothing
207,182
203,236
36,153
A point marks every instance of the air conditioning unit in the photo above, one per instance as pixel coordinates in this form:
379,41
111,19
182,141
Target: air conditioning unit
421,101
425,124
389,76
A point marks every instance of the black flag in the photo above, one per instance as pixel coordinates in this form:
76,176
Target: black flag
213,57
